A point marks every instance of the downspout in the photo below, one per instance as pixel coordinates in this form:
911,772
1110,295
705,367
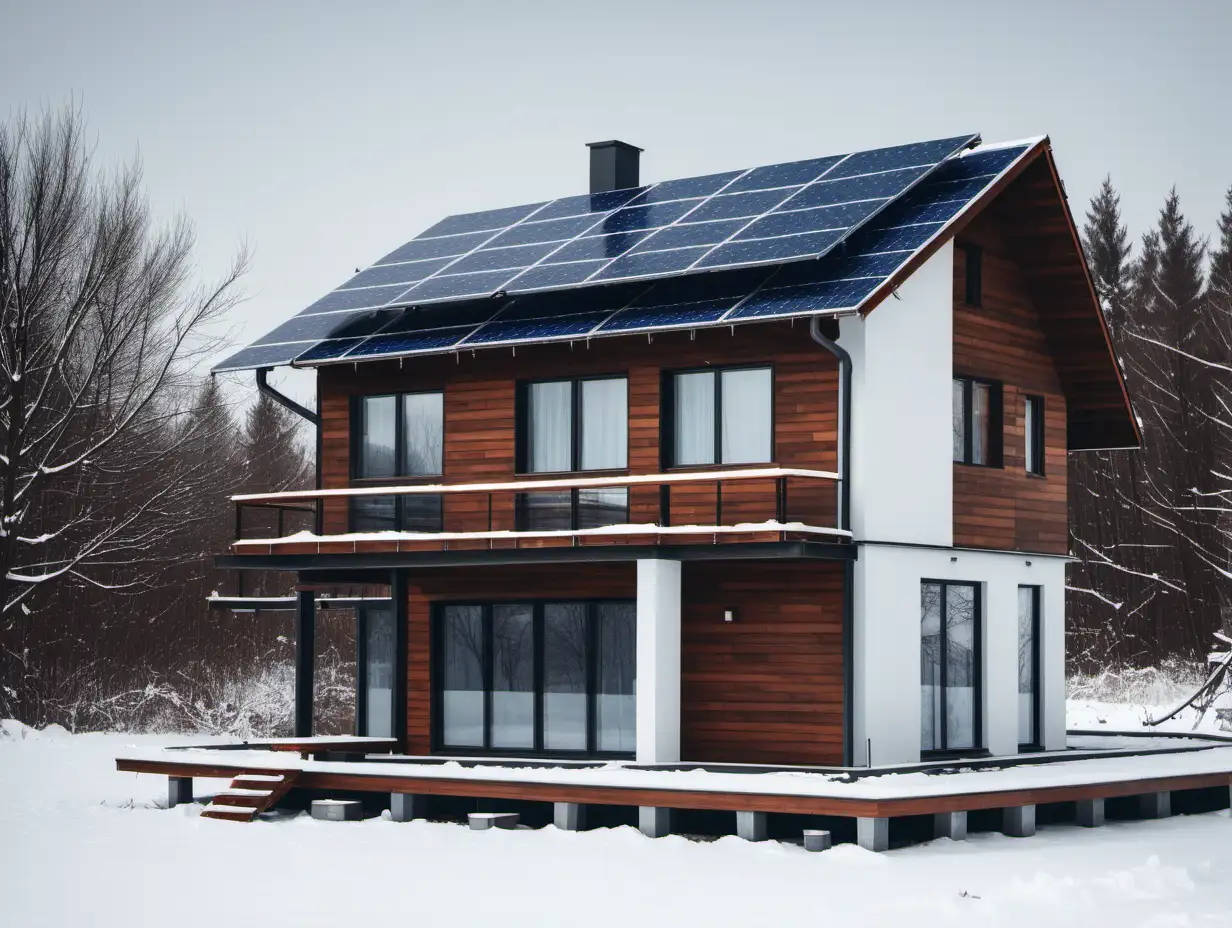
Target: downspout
844,420
844,522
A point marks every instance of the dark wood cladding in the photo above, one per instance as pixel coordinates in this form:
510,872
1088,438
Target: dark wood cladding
1004,339
767,687
1039,231
480,391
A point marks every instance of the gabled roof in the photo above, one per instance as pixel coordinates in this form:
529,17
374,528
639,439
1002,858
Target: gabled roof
899,225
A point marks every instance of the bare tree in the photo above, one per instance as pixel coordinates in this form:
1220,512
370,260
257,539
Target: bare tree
101,330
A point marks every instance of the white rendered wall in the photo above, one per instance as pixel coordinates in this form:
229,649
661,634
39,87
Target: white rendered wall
658,661
902,486
886,697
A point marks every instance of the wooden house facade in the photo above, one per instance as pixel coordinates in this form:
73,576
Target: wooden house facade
831,533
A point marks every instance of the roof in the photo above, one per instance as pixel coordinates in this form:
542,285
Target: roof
888,220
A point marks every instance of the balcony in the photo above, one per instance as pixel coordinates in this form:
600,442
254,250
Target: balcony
695,508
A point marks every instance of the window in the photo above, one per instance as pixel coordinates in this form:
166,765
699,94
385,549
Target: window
1028,667
555,677
375,703
973,275
399,436
720,417
1033,430
574,425
949,666
977,421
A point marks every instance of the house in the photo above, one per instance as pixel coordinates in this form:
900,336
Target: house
762,467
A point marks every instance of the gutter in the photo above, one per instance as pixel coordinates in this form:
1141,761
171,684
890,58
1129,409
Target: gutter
282,400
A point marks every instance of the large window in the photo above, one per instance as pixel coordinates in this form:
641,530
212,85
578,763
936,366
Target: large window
720,417
376,666
977,421
556,677
949,666
574,425
1033,430
398,437
1028,666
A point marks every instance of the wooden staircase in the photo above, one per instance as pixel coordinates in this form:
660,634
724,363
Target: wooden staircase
250,795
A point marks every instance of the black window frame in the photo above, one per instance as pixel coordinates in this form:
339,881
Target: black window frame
401,478
1037,697
667,415
978,747
1036,444
973,275
522,425
362,619
436,706
996,429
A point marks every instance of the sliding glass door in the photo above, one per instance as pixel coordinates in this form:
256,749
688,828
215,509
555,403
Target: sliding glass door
535,678
949,666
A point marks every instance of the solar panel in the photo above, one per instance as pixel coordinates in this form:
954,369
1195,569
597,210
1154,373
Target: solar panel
633,255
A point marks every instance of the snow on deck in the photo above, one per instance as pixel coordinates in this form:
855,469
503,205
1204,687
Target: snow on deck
1216,759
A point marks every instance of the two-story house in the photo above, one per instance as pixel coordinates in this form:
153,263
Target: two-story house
767,466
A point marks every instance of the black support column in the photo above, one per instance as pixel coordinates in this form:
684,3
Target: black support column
305,661
398,593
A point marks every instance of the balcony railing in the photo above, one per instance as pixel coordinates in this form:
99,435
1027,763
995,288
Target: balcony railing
718,506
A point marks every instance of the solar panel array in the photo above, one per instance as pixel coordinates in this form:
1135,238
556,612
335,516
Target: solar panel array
758,217
841,281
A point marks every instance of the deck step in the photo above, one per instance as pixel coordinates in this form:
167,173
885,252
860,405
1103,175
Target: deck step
249,795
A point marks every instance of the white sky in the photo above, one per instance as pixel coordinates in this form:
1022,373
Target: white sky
326,134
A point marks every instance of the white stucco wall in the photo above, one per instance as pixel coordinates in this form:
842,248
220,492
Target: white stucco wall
658,661
902,486
886,690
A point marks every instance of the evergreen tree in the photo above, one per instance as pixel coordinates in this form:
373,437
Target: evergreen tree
1108,253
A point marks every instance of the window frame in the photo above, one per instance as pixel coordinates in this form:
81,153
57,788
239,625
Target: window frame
667,415
978,747
996,427
973,276
1035,440
522,437
400,478
437,676
1037,701
357,439
362,621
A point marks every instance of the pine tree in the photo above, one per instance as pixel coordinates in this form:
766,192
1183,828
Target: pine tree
1108,252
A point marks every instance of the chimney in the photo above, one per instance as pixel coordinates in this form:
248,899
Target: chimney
613,165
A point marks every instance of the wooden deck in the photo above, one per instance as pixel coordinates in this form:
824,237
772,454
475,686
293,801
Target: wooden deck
855,794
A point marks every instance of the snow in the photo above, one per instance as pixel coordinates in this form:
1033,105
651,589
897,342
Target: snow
83,845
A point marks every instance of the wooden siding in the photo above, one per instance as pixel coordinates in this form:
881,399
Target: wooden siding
766,688
1005,507
480,398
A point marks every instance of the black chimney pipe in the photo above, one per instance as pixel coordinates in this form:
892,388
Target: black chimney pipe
613,165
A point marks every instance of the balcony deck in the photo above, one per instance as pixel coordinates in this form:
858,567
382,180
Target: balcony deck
740,506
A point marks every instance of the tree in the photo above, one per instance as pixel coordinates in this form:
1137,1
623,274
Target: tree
100,333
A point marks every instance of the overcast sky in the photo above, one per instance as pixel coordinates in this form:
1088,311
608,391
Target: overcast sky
326,134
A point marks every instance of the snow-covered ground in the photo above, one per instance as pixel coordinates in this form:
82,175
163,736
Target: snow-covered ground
83,845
